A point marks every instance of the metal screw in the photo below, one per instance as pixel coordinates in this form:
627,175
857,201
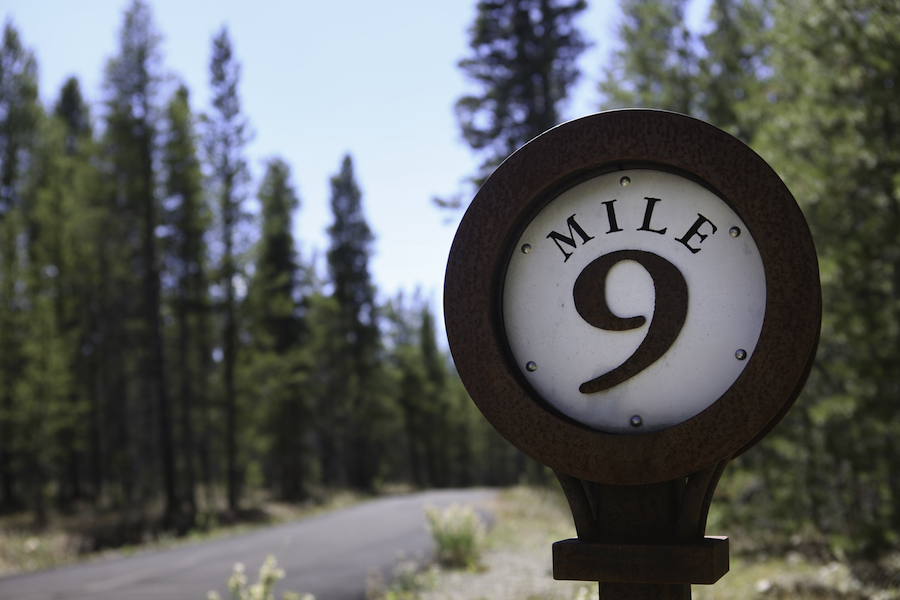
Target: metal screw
636,421
531,366
526,248
735,231
740,354
625,181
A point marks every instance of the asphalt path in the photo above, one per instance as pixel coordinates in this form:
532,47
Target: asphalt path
328,555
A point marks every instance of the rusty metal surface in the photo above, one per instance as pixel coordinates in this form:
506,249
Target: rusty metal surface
644,591
630,535
574,152
666,512
701,562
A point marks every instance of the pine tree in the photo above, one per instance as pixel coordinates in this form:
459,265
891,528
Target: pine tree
411,386
657,65
440,445
46,388
225,138
277,269
19,115
663,65
832,128
276,363
187,222
81,219
130,83
74,207
348,266
523,60
811,88
732,71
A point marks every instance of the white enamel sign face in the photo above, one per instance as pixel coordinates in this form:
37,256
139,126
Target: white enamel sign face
634,300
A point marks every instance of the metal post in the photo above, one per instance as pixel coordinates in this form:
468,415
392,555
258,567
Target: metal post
642,542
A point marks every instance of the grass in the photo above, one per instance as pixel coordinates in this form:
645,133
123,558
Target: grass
514,559
516,565
88,534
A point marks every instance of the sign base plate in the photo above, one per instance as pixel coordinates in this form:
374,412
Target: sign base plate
702,562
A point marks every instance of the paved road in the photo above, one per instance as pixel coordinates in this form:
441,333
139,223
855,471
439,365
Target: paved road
328,555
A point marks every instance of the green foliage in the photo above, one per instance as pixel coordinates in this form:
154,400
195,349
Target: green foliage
167,357
428,410
225,137
656,66
810,86
186,277
523,61
357,332
458,533
19,116
130,146
831,132
348,255
275,279
718,76
275,361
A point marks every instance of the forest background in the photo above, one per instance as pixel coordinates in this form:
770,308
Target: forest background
165,351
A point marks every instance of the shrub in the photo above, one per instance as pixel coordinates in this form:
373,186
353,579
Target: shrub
269,575
458,532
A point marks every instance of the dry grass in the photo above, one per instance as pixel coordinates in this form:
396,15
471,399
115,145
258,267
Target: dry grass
517,565
517,562
87,534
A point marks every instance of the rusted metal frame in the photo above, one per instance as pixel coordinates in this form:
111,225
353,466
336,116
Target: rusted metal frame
650,536
540,171
704,561
698,495
692,508
583,512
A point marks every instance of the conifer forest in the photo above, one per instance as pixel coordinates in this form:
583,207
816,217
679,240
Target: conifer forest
164,350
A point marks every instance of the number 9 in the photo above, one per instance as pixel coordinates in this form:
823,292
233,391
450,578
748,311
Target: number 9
668,316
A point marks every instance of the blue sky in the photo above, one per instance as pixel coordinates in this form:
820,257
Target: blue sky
321,79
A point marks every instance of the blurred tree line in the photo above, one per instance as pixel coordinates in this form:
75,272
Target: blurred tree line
812,86
162,343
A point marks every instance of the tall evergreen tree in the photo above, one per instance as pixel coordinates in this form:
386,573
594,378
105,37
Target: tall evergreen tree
225,138
74,206
440,422
350,246
811,87
523,61
733,73
130,83
412,394
662,64
46,389
277,269
832,128
74,112
348,254
187,220
276,361
19,115
74,195
657,64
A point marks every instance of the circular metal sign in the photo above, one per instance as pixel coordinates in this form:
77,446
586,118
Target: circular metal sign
633,296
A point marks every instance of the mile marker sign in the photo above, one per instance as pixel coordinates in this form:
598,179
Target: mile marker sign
632,299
